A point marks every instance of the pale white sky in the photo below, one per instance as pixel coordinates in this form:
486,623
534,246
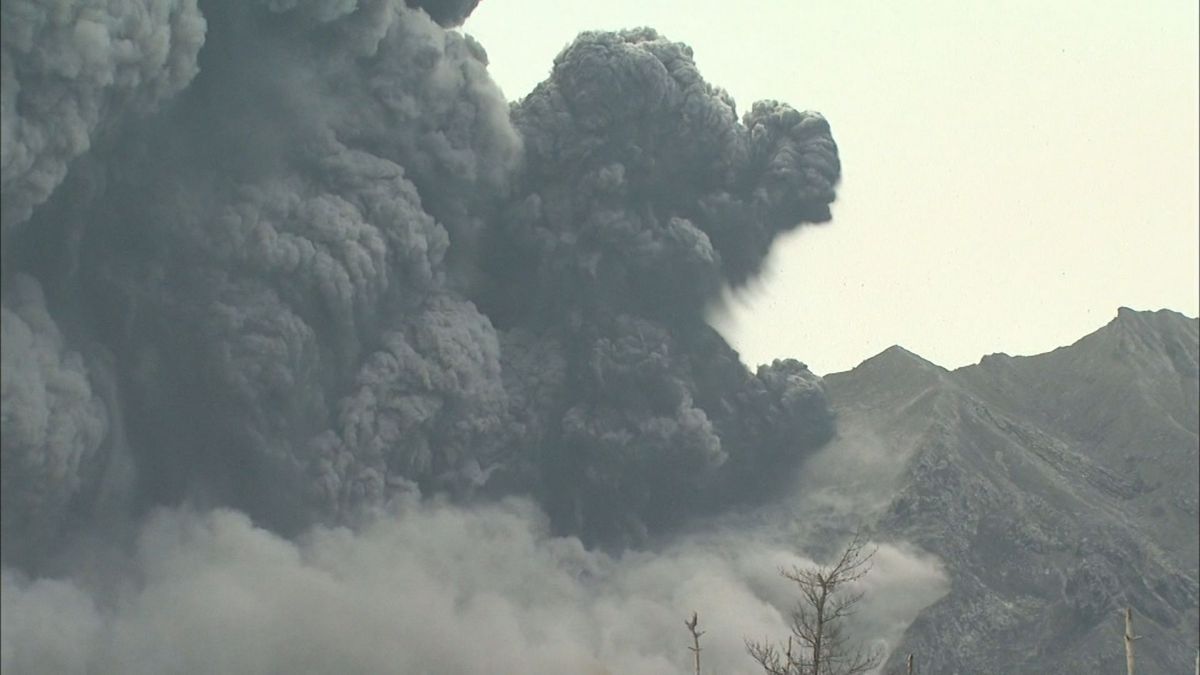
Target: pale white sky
1012,171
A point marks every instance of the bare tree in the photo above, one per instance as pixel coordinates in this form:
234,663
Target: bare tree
818,644
695,648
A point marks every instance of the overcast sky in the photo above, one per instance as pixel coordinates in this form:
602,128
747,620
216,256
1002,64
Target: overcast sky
1013,172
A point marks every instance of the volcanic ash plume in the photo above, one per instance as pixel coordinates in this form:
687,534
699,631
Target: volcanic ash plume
294,301
321,262
641,194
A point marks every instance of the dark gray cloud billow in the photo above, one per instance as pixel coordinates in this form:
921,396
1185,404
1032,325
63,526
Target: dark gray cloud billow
68,70
54,422
283,277
643,189
329,265
446,12
298,279
642,194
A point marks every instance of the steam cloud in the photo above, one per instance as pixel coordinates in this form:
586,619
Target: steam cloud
301,259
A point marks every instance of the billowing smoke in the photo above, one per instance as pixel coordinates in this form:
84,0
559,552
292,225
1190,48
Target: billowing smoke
54,421
269,262
70,70
302,260
337,267
434,589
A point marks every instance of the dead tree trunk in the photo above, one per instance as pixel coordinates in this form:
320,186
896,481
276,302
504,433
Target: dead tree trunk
910,664
1129,638
695,648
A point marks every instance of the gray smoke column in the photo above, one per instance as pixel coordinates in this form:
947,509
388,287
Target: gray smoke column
294,302
641,195
69,73
337,268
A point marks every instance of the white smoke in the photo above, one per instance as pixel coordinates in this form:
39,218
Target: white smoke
425,588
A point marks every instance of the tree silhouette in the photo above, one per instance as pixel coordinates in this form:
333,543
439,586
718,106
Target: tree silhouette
818,644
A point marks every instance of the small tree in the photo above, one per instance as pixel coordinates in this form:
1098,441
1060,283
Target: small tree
818,644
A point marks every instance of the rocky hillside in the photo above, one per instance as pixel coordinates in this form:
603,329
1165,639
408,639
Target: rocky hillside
1056,488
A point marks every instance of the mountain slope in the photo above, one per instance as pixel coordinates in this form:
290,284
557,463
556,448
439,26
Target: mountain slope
1056,488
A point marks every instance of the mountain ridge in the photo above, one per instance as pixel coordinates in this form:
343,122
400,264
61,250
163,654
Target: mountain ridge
1057,488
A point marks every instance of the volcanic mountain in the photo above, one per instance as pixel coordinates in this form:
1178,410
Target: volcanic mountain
1057,489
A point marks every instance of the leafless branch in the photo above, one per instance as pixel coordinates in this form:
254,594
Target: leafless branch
816,630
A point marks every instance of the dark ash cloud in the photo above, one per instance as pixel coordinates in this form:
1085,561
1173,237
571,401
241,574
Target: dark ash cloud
55,421
642,194
68,70
301,259
320,272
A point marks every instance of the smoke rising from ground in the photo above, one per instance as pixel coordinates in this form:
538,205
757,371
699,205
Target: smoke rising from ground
435,589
